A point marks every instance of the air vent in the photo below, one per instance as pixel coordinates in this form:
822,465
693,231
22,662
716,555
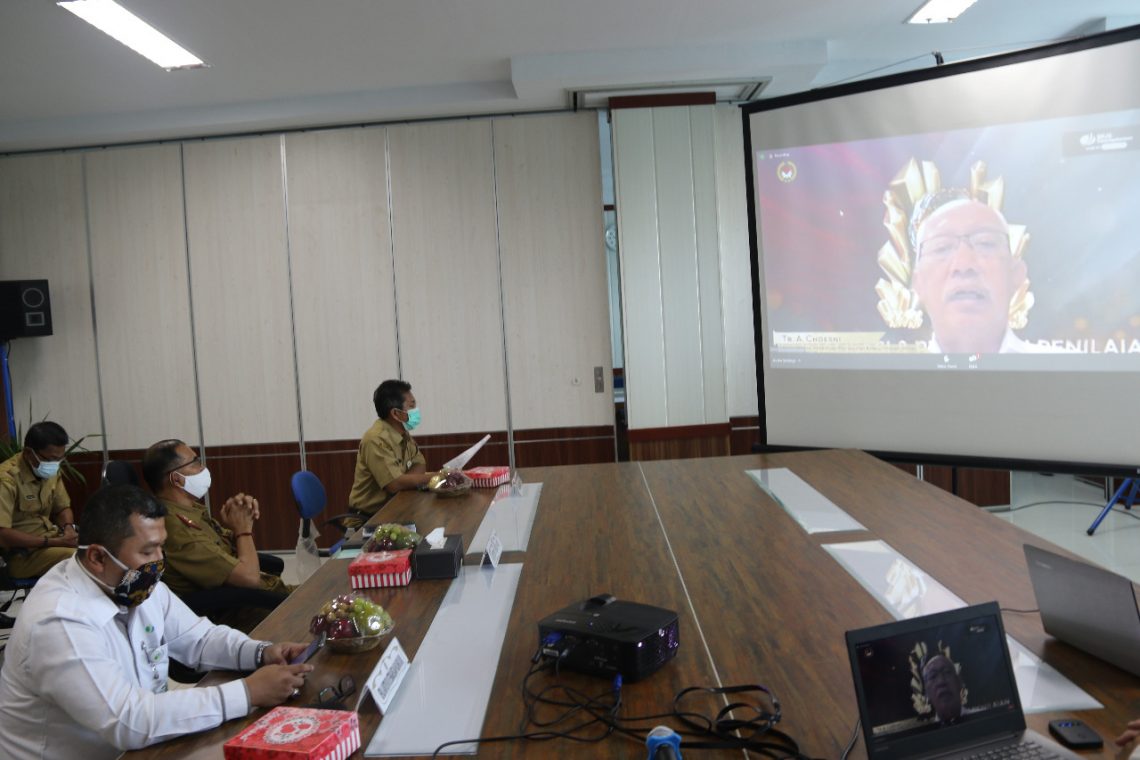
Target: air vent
726,91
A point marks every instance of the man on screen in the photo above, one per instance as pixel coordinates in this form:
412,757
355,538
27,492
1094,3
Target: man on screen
965,274
943,688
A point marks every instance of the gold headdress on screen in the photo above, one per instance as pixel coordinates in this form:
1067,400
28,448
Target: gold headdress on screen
918,658
907,201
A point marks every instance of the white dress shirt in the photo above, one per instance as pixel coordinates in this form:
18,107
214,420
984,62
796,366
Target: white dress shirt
85,678
1010,344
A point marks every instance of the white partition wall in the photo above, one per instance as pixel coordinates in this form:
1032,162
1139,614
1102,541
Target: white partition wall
735,264
142,297
343,296
239,276
554,270
635,179
43,236
665,174
447,282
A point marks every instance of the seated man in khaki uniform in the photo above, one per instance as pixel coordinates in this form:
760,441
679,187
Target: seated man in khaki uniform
388,459
37,528
203,553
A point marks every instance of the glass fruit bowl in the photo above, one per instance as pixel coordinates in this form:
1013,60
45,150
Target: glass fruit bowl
352,622
356,644
450,483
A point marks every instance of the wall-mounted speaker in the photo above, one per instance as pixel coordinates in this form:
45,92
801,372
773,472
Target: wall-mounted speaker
25,309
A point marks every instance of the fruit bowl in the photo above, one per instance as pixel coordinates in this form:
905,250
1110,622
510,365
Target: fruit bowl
359,643
450,483
352,622
392,537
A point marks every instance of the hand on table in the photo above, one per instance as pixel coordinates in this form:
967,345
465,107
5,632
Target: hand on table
282,653
1129,735
273,684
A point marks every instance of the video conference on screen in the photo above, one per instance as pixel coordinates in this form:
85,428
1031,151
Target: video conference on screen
1000,247
917,683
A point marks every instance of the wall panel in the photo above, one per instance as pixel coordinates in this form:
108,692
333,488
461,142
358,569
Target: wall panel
677,243
702,123
642,309
736,272
669,221
43,236
240,291
342,276
447,281
142,301
554,270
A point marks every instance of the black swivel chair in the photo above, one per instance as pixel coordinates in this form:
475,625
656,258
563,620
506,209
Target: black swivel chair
118,473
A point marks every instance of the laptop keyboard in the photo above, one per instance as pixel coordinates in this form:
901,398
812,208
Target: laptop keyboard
1023,751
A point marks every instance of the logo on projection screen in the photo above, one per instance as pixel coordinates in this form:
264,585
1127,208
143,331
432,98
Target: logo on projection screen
786,171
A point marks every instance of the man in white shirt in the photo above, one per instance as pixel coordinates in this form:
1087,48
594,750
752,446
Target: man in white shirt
965,275
85,671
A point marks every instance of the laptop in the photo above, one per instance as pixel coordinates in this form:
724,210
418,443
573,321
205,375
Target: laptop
1087,607
941,686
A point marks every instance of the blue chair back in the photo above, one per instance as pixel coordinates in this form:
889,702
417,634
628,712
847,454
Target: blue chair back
309,493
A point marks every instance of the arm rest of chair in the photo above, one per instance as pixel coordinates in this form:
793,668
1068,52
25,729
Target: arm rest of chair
348,521
211,600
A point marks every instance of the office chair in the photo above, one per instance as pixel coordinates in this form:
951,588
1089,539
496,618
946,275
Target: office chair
309,493
17,586
116,473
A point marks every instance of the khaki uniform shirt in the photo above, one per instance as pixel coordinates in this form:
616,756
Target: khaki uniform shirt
27,503
383,456
200,552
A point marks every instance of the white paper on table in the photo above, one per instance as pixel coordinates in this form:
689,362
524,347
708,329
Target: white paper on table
448,686
459,462
510,517
812,510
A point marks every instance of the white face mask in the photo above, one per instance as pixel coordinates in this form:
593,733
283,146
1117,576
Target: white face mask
197,484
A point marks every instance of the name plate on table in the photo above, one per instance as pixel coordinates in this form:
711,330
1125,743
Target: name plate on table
494,550
388,675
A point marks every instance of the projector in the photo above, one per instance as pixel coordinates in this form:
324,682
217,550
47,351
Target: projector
604,636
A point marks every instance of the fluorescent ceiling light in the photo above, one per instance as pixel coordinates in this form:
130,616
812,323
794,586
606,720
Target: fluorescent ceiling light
940,11
112,18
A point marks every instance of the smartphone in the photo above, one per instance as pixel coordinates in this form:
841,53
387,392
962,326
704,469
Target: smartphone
310,650
1074,734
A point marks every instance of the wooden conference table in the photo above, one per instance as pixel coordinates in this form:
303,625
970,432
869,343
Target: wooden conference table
759,600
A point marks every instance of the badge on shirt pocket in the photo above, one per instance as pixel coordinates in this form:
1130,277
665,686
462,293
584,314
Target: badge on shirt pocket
158,662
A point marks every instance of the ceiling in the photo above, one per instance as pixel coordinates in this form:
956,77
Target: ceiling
278,64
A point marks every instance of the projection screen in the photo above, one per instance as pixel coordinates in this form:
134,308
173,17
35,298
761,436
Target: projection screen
946,263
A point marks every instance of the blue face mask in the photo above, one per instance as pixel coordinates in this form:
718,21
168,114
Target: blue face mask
45,470
413,419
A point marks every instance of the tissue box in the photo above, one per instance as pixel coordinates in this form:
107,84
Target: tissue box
428,563
296,733
488,477
381,569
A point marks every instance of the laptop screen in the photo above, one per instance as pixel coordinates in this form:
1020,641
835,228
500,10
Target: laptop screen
934,681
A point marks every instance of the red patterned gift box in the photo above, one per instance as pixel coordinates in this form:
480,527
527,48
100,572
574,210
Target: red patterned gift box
488,477
297,733
381,569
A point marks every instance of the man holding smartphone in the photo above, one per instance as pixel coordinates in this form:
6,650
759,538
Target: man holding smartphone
85,672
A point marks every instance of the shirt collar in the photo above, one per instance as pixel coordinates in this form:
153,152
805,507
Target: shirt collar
25,470
100,608
1009,343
